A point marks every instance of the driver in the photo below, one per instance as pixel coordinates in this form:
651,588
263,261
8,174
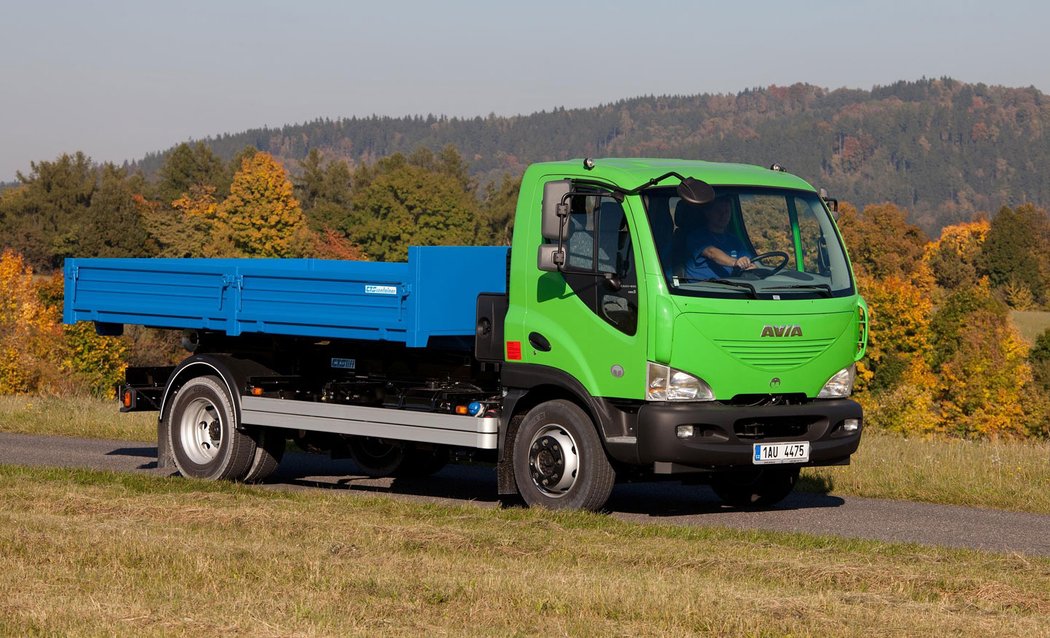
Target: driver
715,250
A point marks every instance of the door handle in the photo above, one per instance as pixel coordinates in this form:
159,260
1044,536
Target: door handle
539,342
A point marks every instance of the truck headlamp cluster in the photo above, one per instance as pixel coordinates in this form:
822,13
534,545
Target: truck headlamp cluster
667,384
839,386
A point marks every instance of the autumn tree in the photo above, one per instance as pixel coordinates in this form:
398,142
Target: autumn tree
419,200
982,385
954,258
29,336
951,319
261,217
900,335
882,243
192,231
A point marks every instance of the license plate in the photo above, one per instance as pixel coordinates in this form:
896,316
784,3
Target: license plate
773,453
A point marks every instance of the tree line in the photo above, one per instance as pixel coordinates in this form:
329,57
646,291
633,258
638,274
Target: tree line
940,148
200,206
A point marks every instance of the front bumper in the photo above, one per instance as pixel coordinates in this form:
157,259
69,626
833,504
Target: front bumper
724,434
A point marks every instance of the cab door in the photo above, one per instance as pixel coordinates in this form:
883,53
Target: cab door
588,319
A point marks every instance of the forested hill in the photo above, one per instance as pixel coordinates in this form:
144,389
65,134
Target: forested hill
941,149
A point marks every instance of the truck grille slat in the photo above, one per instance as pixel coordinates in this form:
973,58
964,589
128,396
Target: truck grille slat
774,356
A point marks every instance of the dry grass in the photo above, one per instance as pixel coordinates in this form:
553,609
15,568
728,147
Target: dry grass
74,416
85,553
1030,323
1011,475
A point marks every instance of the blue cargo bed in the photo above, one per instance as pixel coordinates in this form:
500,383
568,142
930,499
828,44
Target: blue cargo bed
433,294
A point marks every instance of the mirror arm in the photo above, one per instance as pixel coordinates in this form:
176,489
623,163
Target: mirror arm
653,182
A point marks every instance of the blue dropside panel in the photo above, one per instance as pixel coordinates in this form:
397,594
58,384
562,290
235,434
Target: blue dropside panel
434,294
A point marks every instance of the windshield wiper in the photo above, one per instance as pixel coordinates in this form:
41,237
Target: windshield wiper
824,288
736,284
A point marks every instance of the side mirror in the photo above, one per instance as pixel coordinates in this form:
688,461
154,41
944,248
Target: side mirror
553,194
550,258
831,202
695,191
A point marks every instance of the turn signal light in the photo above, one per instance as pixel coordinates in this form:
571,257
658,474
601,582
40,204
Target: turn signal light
126,399
257,392
462,409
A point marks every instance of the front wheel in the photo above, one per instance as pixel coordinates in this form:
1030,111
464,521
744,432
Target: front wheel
559,461
759,488
204,438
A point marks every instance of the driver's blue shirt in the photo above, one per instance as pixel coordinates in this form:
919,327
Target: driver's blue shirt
699,267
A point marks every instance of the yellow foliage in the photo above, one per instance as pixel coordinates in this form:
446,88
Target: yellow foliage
900,322
38,354
29,334
965,238
261,217
982,387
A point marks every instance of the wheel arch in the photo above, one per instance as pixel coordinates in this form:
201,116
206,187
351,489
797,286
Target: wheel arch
232,371
530,385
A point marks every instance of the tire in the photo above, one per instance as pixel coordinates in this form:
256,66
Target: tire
763,488
202,431
269,450
559,461
376,457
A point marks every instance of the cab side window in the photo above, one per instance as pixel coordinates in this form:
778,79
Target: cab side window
600,260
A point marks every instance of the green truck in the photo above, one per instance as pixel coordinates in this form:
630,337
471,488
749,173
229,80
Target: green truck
652,319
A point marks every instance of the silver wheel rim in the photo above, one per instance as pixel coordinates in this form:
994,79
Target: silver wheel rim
200,431
554,460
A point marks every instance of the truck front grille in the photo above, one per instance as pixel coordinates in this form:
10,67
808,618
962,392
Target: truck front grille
774,356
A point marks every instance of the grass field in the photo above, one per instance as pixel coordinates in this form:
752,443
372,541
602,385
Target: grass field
1030,323
88,553
1004,475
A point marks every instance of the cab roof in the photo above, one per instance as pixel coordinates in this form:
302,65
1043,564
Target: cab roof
629,172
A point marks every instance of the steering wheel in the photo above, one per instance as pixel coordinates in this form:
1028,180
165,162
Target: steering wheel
773,254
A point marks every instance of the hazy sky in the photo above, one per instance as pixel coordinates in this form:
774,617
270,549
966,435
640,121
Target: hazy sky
117,79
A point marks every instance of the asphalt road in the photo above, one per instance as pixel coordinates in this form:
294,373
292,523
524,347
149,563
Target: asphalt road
894,521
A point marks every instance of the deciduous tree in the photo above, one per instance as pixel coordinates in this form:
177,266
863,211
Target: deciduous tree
423,201
260,218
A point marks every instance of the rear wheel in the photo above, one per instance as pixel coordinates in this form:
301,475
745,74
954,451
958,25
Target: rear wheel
559,461
202,426
420,462
376,457
269,449
760,488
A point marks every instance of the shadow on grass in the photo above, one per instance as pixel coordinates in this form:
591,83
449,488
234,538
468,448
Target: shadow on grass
820,484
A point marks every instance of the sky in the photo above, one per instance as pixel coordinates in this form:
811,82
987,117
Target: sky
119,79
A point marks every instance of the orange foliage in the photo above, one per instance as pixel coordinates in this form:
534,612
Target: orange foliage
37,353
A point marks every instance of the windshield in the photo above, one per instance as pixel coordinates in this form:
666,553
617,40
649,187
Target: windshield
750,242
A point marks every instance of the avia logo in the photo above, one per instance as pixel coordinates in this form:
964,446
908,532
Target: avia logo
790,330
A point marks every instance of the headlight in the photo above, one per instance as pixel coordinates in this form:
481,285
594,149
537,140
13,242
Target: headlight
667,384
839,386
